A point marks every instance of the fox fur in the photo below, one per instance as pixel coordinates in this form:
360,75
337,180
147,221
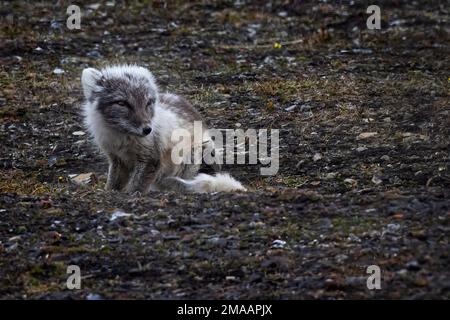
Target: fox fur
132,123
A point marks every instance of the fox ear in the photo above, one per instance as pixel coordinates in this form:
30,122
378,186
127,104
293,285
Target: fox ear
89,80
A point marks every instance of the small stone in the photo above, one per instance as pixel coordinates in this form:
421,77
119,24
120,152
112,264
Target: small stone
413,266
257,224
290,108
340,258
317,157
419,234
83,178
305,107
361,149
278,244
362,50
351,182
119,214
94,6
398,216
78,133
15,238
334,283
353,238
218,241
55,24
93,54
12,247
58,71
392,228
355,281
52,161
325,223
402,272
54,235
154,232
94,296
385,158
366,135
376,180
330,175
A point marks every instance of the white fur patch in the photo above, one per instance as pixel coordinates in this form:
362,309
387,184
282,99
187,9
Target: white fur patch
205,183
164,122
119,71
89,79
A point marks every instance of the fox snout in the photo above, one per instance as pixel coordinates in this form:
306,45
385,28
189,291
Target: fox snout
146,131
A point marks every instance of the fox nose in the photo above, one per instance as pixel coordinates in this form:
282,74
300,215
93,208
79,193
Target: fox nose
146,131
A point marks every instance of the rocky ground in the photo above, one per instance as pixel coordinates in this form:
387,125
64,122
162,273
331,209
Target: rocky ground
364,152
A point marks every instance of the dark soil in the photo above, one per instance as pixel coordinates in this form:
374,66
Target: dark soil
342,200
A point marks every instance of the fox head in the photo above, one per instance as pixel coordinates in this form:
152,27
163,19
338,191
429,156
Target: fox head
124,96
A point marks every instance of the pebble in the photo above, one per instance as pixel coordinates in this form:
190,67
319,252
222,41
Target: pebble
317,157
402,272
351,182
290,108
330,175
351,237
376,180
413,266
83,178
361,149
366,135
58,71
94,296
340,258
305,107
392,228
279,244
119,214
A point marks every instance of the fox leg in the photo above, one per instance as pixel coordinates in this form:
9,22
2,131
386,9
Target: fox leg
118,174
140,177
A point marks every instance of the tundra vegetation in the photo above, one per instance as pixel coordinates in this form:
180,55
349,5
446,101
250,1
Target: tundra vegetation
364,151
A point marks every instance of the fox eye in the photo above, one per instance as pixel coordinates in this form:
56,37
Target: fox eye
123,104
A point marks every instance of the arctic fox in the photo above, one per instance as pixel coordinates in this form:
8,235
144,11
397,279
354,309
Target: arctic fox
132,123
